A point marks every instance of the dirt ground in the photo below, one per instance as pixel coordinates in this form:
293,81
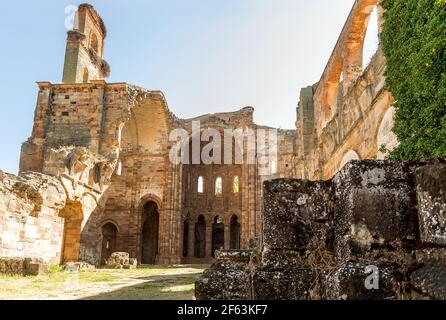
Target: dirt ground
145,283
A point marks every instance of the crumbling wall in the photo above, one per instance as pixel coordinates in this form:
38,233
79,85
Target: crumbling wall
37,210
375,231
29,222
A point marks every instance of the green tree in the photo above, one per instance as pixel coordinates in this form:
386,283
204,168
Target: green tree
414,43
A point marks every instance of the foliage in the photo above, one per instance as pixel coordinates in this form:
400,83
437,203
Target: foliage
414,43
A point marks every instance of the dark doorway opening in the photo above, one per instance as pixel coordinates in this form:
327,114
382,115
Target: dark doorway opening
218,235
109,236
200,238
235,233
150,227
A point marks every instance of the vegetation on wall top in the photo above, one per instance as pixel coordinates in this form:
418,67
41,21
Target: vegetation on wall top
414,43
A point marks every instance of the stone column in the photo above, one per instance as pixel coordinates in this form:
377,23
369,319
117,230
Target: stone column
227,237
208,248
191,239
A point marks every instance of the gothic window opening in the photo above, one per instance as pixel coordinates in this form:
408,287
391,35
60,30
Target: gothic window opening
218,186
200,184
236,185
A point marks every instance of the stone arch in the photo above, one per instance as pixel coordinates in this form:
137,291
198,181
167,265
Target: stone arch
235,232
73,217
148,198
218,234
109,232
147,123
347,58
349,156
200,237
354,44
385,137
234,146
331,90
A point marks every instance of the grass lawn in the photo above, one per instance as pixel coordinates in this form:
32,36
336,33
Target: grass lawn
145,283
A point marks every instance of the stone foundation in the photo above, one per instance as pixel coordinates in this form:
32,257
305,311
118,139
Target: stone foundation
375,231
23,266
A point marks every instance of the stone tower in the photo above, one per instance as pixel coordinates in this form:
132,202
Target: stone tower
85,48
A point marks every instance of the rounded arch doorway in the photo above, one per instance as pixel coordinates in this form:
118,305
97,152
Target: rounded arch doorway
109,236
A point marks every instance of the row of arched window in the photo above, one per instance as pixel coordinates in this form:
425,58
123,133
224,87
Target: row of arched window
219,185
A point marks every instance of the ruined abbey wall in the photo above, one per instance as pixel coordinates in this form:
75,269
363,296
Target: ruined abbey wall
108,147
348,114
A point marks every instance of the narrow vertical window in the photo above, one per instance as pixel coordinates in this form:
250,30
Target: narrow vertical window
119,169
236,185
273,167
200,184
119,136
219,186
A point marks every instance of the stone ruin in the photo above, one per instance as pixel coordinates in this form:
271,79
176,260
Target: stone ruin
377,230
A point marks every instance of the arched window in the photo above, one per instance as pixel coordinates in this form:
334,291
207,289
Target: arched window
236,185
94,43
219,186
85,76
200,184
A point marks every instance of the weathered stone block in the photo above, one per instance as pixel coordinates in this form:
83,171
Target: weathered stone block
118,260
431,255
296,213
226,279
431,196
374,208
430,280
23,266
234,255
356,281
282,284
279,259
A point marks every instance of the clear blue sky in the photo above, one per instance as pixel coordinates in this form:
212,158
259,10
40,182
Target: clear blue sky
205,55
